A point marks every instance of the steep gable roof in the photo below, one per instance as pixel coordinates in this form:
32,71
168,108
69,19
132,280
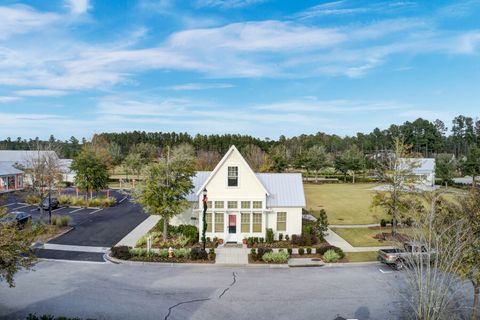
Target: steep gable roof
220,165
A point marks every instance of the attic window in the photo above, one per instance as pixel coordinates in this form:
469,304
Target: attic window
233,176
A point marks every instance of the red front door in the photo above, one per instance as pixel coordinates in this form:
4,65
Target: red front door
232,223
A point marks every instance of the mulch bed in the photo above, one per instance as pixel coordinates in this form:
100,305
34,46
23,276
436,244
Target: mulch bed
169,260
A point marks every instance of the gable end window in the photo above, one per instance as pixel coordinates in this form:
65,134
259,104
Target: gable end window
233,176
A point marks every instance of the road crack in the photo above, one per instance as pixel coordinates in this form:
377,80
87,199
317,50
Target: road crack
180,303
228,288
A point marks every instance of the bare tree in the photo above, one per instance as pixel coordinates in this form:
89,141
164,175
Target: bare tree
255,157
43,170
397,175
207,160
434,289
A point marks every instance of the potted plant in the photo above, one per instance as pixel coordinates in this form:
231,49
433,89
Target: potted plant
220,241
245,241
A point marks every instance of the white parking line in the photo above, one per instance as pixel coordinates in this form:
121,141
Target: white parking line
384,272
95,211
123,199
77,210
34,209
21,207
58,209
10,204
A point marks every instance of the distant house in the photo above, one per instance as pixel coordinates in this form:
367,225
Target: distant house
10,178
423,169
21,160
242,203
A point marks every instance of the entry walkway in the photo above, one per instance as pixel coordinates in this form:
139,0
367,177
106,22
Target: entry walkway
130,239
232,256
337,241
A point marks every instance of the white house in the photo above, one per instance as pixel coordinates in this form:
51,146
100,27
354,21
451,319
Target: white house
242,203
24,158
423,169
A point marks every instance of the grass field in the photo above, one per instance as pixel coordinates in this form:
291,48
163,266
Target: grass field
344,203
361,256
362,237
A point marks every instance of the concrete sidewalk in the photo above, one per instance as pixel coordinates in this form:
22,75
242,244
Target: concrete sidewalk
231,256
337,241
131,239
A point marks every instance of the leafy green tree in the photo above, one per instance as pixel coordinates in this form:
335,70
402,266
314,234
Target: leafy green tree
395,173
116,153
133,164
91,172
166,185
353,160
317,159
471,163
147,151
445,168
15,253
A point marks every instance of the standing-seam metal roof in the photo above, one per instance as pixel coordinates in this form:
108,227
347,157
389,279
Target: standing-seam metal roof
6,168
286,189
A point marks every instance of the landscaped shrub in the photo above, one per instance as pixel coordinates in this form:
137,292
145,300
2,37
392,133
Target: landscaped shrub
3,211
211,254
261,251
309,250
253,254
156,237
179,241
324,248
48,317
287,237
255,239
198,254
32,199
289,250
261,240
181,253
121,252
163,253
383,223
250,241
270,235
64,221
331,256
301,251
275,257
138,252
318,250
321,225
280,237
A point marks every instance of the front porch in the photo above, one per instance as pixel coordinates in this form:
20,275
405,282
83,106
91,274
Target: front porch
233,225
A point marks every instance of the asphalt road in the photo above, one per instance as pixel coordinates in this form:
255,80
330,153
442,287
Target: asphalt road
109,291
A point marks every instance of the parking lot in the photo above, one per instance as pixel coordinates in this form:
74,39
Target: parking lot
76,214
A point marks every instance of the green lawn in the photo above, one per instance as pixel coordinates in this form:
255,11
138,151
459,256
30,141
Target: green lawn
345,203
362,237
361,256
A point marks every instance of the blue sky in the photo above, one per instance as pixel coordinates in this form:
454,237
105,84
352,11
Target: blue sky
265,68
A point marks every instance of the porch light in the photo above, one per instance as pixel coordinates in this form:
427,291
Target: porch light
204,192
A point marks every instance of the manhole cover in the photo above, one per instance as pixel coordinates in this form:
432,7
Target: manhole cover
316,259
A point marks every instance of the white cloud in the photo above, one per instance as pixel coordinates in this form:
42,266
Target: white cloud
18,19
228,4
41,93
6,99
200,86
78,6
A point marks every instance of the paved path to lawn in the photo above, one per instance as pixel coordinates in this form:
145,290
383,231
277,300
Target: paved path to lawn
336,240
354,225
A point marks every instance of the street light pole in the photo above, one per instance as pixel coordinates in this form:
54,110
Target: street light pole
49,204
204,230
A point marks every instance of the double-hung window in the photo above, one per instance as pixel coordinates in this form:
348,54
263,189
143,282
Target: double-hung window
219,221
233,176
232,204
208,218
281,221
245,222
257,222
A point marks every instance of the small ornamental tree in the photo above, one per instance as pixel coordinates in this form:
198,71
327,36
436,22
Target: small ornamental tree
471,163
321,225
91,172
445,168
166,185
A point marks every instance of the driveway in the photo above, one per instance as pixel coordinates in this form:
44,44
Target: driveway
94,232
109,291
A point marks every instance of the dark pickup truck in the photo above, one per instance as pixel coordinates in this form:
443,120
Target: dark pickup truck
397,257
